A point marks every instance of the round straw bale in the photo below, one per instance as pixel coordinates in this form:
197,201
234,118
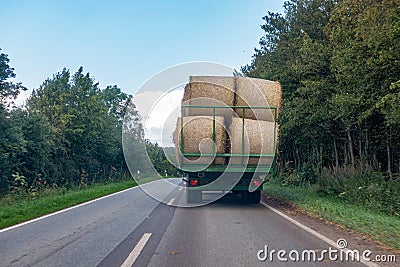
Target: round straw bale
258,139
197,134
252,92
186,95
204,106
219,88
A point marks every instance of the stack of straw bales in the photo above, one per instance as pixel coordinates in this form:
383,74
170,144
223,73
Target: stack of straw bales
259,124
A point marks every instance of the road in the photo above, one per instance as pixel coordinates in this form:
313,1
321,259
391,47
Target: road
133,228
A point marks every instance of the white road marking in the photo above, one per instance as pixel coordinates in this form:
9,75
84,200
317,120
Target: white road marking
180,188
171,201
67,209
315,233
136,251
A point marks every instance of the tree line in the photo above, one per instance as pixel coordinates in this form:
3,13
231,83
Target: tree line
339,65
69,133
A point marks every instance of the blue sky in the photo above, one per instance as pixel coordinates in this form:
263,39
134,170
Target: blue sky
126,42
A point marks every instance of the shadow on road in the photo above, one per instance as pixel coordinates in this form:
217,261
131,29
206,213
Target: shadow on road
229,200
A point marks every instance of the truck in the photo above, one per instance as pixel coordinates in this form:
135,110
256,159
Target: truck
238,170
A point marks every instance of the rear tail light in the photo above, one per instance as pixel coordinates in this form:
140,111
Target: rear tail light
194,182
257,182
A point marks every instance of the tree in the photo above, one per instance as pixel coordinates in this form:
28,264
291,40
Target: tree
12,147
12,142
389,105
86,122
68,134
159,159
296,51
365,63
337,62
35,161
8,90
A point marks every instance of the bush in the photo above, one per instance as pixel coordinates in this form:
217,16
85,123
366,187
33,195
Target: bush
355,184
305,175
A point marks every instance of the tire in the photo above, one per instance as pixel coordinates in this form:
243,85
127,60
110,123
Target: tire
193,196
251,197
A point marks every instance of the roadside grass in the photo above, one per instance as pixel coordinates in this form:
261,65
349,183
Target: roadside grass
14,210
378,225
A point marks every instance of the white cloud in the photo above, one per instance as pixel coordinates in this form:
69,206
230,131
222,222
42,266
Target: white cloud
160,111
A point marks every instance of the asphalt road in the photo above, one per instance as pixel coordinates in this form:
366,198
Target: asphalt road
133,228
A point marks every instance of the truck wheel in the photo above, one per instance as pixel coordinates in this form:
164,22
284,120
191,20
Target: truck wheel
251,197
193,196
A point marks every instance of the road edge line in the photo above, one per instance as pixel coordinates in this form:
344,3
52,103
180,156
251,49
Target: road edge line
314,233
136,250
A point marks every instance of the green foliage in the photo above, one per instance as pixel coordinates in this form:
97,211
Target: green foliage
18,184
389,105
12,146
86,124
160,160
303,176
68,135
362,186
337,62
357,184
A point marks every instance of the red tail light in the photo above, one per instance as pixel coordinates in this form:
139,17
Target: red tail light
257,182
194,182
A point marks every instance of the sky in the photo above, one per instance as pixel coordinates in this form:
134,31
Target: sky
124,43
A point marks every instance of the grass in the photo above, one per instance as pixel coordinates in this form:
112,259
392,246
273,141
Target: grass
378,225
14,210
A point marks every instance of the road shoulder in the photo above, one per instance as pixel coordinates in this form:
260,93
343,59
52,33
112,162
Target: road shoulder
332,230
